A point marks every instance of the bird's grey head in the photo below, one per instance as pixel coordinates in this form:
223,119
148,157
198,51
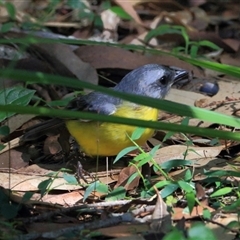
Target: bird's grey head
151,80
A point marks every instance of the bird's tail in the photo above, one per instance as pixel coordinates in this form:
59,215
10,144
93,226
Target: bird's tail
50,126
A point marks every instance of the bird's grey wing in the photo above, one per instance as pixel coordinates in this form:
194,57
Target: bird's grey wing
95,103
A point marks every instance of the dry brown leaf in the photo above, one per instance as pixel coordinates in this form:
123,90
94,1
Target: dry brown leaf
233,43
13,159
219,232
212,37
28,178
127,6
124,175
110,22
209,164
17,121
19,6
201,20
165,154
197,211
63,54
179,96
108,57
66,199
161,218
200,194
52,145
230,60
124,230
22,182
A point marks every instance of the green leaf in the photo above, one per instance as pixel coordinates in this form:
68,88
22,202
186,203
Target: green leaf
161,30
106,4
209,44
146,194
137,133
207,214
160,185
27,196
52,174
132,177
76,4
187,187
168,190
6,27
218,184
15,95
95,186
8,211
4,130
60,103
200,232
193,51
2,147
117,194
214,142
188,175
43,186
124,152
222,173
221,192
233,206
175,163
233,224
185,121
154,149
168,136
98,23
11,10
70,179
174,235
102,188
190,196
120,13
87,14
141,156
178,50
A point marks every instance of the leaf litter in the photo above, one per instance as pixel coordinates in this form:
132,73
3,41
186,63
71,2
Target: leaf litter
27,168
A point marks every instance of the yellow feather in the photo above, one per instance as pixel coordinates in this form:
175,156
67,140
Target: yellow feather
108,139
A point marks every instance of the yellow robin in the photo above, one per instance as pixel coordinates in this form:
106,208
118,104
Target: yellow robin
108,139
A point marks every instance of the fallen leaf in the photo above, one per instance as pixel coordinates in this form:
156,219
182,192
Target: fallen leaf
124,176
165,154
161,218
108,57
178,213
13,159
17,121
63,54
127,6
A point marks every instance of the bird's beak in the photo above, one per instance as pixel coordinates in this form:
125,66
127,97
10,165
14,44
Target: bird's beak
180,74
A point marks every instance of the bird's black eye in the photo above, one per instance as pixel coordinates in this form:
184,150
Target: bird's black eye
163,80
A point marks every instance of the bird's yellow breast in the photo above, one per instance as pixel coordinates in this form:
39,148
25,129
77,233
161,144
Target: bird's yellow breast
108,139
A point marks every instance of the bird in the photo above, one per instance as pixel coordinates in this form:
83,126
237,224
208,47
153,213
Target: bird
108,139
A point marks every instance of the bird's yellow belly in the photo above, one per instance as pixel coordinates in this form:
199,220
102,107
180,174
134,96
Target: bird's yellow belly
108,139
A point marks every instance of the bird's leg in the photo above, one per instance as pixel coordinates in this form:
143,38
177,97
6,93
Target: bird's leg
78,156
